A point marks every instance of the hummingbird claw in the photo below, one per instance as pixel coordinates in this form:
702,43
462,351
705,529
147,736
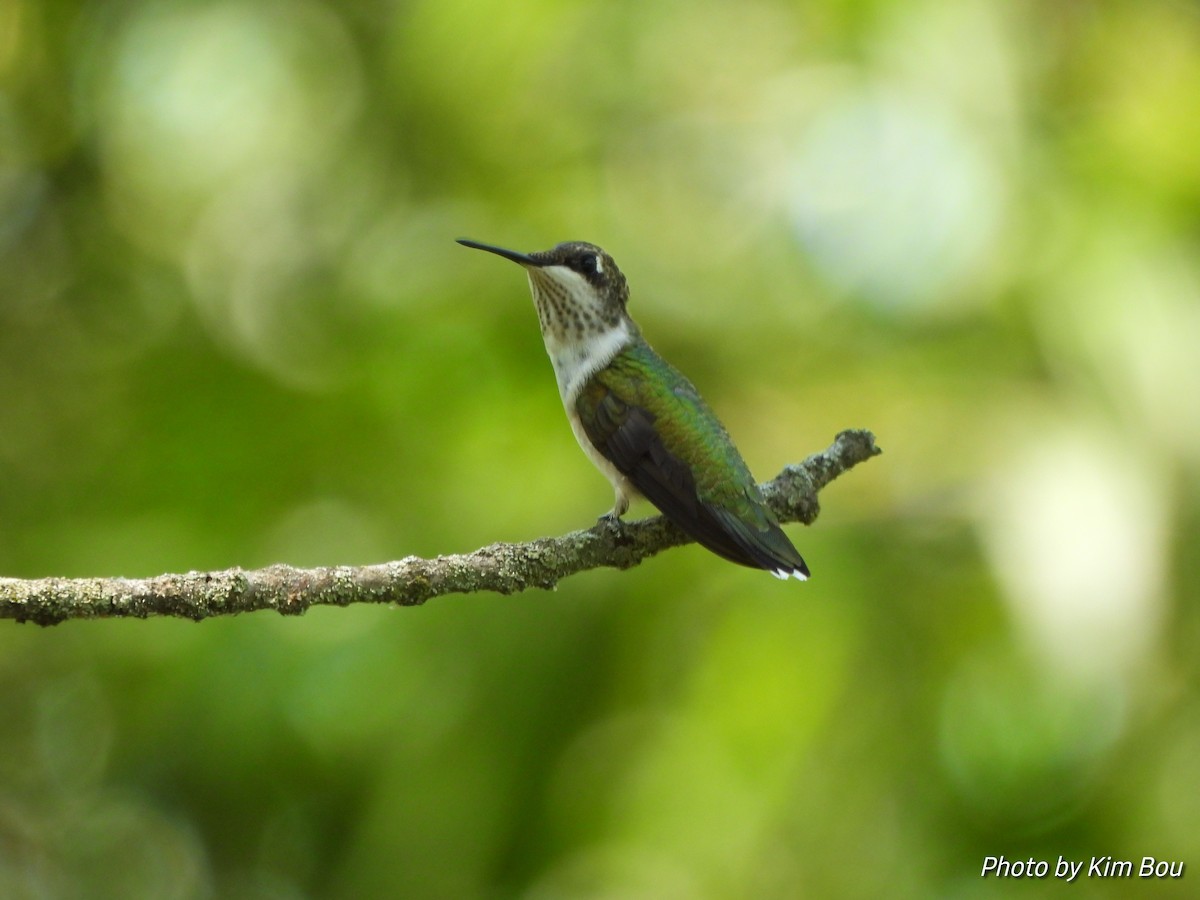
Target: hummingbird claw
610,521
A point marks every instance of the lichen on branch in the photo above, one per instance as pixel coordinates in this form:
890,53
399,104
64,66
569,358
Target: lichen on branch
501,568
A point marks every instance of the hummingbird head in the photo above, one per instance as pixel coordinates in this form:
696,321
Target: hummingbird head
579,292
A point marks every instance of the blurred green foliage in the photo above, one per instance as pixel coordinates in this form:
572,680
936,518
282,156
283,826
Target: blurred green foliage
235,329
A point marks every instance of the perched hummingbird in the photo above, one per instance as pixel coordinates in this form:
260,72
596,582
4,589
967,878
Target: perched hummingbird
638,418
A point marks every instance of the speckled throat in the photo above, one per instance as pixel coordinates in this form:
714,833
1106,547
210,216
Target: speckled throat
582,329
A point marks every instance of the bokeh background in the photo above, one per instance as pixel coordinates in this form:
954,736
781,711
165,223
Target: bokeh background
235,330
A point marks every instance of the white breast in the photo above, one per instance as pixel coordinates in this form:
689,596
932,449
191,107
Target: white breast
576,361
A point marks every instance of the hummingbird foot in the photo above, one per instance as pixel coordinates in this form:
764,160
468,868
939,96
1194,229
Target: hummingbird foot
611,522
620,505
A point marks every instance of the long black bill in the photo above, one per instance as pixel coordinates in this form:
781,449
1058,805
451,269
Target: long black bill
519,258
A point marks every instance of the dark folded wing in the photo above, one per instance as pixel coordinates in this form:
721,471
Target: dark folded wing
625,434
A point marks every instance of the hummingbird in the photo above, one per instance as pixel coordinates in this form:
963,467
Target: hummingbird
638,418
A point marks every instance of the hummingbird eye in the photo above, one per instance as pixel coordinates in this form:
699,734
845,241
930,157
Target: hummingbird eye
589,264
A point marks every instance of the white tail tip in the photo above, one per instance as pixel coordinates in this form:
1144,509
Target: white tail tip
784,575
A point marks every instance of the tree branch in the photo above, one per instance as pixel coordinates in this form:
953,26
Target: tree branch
503,568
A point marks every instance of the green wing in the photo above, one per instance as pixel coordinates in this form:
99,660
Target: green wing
650,422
